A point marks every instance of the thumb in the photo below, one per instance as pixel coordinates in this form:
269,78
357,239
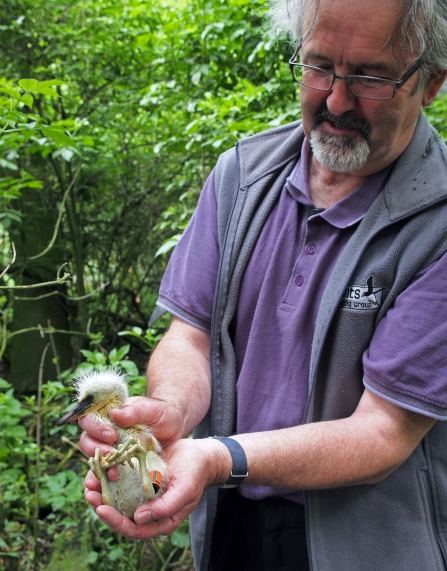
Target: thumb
160,416
138,410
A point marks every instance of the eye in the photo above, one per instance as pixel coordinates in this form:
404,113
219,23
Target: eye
324,67
370,82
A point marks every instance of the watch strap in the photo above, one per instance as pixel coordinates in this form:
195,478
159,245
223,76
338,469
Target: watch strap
239,470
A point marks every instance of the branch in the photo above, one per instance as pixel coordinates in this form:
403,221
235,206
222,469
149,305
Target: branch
59,218
38,443
101,287
11,262
57,281
43,330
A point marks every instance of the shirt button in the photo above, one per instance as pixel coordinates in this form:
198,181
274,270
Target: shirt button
311,249
299,281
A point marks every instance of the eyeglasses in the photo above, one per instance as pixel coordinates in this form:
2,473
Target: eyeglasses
363,86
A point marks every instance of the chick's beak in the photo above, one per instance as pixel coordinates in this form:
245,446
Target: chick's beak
81,409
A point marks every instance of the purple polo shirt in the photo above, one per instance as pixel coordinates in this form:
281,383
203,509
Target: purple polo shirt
278,303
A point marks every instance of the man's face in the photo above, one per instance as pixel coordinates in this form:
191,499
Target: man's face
352,37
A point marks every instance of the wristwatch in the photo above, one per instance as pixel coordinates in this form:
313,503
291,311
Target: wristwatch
239,470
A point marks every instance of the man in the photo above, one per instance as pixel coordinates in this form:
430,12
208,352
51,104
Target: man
317,260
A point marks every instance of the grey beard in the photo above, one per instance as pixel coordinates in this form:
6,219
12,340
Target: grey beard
339,153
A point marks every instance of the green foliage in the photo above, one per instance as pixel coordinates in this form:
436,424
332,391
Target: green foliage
99,361
20,130
148,93
49,479
149,338
437,114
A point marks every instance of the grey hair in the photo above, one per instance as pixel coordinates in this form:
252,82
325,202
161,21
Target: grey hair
421,29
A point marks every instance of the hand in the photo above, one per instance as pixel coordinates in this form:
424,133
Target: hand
192,466
163,419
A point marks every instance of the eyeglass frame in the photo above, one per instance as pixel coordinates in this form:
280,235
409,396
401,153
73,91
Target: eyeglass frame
395,84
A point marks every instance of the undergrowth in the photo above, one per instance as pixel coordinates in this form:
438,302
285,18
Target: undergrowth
45,522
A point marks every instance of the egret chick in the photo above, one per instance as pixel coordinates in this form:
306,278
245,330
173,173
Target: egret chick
141,471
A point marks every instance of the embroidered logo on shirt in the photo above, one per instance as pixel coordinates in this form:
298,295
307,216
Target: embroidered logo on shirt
362,297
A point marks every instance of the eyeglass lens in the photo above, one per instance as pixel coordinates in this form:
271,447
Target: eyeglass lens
366,87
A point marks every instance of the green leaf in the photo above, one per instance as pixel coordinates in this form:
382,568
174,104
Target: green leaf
130,368
58,136
89,355
51,82
114,554
28,84
168,245
8,165
67,154
83,368
4,384
43,90
33,184
92,557
28,100
122,352
88,141
112,356
195,78
179,538
15,93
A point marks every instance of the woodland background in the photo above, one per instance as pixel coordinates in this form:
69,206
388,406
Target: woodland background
112,115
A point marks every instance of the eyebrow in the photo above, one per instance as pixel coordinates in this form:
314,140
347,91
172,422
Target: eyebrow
376,66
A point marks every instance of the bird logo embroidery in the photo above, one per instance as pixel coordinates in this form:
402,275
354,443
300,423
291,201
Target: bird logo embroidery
370,293
141,470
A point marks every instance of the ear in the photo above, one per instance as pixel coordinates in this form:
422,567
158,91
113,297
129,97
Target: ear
432,87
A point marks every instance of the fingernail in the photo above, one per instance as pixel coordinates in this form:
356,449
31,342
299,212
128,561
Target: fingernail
107,435
144,517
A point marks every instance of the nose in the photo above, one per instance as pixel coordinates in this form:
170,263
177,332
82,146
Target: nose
340,99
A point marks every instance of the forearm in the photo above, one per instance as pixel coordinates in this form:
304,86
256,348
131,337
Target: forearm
179,373
363,448
316,456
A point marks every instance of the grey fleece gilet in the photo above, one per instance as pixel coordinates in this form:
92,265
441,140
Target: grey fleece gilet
399,524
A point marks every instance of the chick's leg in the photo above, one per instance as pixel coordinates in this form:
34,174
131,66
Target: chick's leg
151,467
148,464
98,467
124,453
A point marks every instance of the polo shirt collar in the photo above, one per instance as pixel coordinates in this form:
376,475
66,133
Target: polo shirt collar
347,211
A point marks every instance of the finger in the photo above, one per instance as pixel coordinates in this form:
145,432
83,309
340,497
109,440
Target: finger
93,498
92,483
99,430
163,418
88,445
172,504
139,410
124,526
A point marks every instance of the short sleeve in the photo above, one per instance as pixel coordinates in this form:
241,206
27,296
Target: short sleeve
406,362
187,288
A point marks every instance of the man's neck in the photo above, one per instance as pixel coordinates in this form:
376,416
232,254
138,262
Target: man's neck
327,187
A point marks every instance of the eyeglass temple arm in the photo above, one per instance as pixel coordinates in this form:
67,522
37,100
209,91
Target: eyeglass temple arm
295,53
409,73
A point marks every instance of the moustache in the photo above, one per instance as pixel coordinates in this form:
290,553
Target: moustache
346,121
